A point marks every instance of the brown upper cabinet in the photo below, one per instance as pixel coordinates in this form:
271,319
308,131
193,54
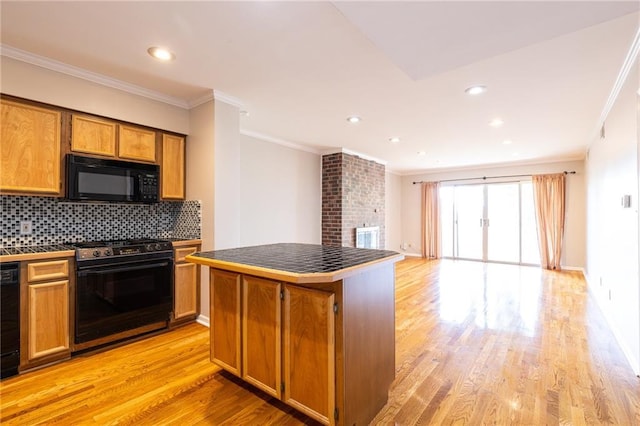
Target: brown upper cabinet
137,144
173,167
36,137
93,135
29,149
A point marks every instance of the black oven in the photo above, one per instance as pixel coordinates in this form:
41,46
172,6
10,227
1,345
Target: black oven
119,289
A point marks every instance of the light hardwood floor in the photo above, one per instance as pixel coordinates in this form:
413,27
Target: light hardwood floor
475,344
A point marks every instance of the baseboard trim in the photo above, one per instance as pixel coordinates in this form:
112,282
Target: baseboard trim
203,320
411,254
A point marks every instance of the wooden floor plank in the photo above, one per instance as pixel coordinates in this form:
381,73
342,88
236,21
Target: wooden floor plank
475,344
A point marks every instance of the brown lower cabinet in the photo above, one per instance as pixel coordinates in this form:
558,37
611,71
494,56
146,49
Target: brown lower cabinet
289,340
186,286
46,288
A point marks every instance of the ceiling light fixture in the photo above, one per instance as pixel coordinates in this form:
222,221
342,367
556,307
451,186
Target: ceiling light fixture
394,140
422,153
496,122
507,142
353,119
475,90
161,53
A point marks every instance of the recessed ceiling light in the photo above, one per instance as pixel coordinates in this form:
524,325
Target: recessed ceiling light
475,90
515,154
161,53
244,113
394,140
353,119
422,153
496,122
507,142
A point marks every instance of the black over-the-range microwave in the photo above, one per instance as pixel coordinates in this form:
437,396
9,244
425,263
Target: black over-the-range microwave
97,179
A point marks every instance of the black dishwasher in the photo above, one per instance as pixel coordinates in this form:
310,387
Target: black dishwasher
9,319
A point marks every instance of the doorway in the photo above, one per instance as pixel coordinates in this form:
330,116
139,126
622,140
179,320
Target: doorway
489,222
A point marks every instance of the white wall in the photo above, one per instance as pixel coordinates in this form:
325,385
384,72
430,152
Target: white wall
612,231
29,81
280,191
573,255
393,211
265,192
200,182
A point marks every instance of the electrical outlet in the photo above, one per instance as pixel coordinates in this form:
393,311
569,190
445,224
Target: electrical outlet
26,227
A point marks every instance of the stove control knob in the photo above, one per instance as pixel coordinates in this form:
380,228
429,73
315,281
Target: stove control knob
108,252
149,247
96,253
158,247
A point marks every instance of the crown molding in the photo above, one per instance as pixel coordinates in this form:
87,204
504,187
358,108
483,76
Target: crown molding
629,60
227,99
357,154
206,97
53,65
279,141
533,162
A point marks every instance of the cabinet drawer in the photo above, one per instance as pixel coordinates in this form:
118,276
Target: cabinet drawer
41,271
183,252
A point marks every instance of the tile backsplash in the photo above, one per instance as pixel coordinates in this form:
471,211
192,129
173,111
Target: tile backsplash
56,222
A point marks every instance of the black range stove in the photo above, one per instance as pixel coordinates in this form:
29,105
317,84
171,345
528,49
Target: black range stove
118,248
123,288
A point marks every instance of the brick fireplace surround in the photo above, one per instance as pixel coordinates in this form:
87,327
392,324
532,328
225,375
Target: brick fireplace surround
353,191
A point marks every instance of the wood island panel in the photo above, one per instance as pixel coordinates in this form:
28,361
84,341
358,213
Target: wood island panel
309,352
261,335
225,320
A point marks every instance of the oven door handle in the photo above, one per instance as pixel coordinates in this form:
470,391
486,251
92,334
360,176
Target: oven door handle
111,270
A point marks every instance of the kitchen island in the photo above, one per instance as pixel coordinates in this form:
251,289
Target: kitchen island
311,325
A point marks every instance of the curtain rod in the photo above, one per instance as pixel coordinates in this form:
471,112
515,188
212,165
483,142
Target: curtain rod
572,172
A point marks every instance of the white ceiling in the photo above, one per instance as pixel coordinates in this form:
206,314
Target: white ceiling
300,69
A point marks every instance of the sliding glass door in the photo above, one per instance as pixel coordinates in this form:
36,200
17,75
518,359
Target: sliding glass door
489,222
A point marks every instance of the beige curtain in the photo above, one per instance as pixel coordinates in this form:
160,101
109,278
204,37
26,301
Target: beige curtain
430,220
549,195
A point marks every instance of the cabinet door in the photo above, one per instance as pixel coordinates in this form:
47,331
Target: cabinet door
309,352
261,344
93,136
225,320
185,300
173,167
29,149
48,318
137,144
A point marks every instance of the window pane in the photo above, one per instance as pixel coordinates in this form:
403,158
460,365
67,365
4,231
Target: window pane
469,201
530,251
503,227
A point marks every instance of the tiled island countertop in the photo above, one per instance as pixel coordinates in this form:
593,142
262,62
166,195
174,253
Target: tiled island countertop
295,263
